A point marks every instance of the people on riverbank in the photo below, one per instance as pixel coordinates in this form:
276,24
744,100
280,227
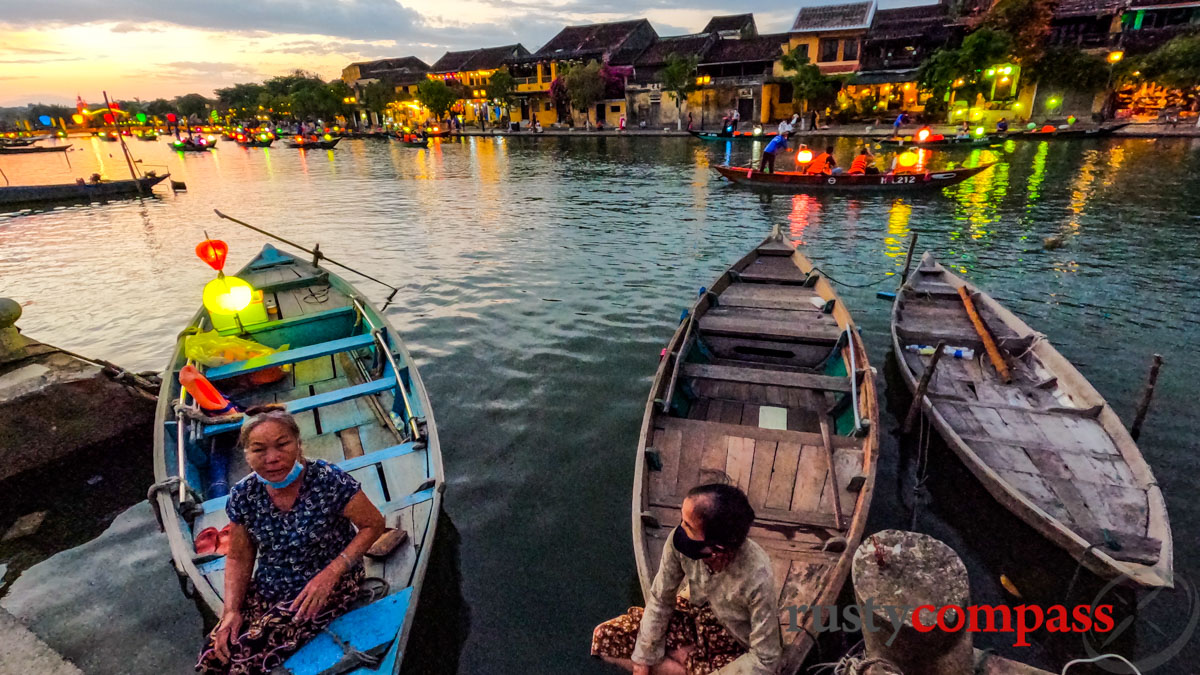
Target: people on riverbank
730,617
307,524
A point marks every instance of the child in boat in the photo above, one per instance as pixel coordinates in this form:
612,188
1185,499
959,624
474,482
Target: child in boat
739,615
308,550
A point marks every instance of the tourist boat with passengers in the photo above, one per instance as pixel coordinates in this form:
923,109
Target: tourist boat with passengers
765,385
734,135
795,181
194,144
1069,131
342,370
312,142
80,191
1032,429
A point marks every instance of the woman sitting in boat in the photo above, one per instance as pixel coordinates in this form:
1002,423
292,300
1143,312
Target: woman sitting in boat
308,524
729,618
864,163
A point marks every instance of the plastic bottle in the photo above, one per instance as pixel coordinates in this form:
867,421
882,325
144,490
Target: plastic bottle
959,352
924,350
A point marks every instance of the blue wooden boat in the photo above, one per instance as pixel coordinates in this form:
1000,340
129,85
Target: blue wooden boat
361,405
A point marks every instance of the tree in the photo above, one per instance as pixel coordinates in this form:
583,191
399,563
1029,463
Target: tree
436,96
1026,22
1069,68
192,105
808,82
239,97
584,87
679,78
1174,64
501,87
962,69
377,95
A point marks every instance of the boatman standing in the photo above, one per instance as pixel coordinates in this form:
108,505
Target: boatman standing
768,155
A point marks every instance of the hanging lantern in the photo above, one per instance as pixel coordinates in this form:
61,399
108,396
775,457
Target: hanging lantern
77,119
328,137
227,295
213,252
979,131
907,160
45,120
170,118
141,118
804,156
922,135
1048,128
108,118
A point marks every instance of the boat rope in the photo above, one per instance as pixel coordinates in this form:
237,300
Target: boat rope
145,384
842,283
855,662
197,416
1078,568
1097,659
922,470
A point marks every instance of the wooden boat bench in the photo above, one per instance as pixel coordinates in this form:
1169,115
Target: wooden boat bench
767,377
316,401
289,356
769,324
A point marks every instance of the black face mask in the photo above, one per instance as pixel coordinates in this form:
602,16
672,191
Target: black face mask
696,550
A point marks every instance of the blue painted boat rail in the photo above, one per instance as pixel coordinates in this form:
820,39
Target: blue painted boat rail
289,356
310,402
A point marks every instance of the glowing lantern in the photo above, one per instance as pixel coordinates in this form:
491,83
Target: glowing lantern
45,120
141,118
227,295
1048,128
978,131
77,119
804,156
1031,126
436,130
115,105
108,118
328,137
211,138
907,160
170,118
213,252
922,135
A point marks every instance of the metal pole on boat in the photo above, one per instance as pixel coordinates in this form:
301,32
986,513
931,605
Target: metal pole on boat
1139,417
317,255
124,148
912,245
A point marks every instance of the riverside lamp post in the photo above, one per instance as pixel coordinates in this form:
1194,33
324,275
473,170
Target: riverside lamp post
1114,57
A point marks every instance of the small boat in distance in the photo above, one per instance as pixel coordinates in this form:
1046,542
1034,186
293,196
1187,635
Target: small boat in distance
312,143
80,191
766,385
26,149
1071,131
193,144
734,135
795,181
942,142
1032,429
344,373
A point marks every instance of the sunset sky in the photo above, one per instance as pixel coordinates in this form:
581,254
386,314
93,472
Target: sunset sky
51,51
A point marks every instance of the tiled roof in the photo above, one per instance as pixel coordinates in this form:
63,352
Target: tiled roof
589,40
391,67
834,17
909,22
684,45
1072,8
761,48
731,22
487,58
1150,4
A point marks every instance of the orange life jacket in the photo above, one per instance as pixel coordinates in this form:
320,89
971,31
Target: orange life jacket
860,164
820,163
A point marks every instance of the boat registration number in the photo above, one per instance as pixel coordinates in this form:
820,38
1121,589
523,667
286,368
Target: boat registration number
897,180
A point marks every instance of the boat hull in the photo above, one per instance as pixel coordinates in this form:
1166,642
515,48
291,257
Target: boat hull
735,136
314,145
798,182
73,192
25,150
944,143
1098,132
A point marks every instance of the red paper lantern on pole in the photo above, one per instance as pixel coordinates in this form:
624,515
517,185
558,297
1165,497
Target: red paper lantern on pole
213,252
171,118
108,118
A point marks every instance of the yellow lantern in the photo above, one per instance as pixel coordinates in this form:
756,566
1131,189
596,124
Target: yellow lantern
907,160
227,295
804,156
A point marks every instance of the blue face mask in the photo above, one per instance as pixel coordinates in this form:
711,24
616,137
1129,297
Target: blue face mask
291,477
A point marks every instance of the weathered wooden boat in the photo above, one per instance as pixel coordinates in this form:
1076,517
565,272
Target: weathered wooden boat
309,144
148,136
79,192
361,405
1070,132
944,141
193,145
16,142
733,136
1045,444
801,182
256,142
27,149
766,385
420,143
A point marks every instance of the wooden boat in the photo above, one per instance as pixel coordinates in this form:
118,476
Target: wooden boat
26,149
733,136
256,143
945,141
16,142
801,182
421,143
304,143
79,192
1071,132
360,403
1046,445
764,382
147,137
193,145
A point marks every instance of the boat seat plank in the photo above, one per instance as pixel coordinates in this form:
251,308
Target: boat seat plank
278,324
783,476
691,452
706,428
668,444
372,485
716,324
313,370
739,461
289,356
376,437
317,401
766,377
289,305
795,298
772,268
326,446
767,516
405,473
767,352
761,470
812,473
343,414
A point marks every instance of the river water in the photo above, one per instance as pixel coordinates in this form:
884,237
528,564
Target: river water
540,278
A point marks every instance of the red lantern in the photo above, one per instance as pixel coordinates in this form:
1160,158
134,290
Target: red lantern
171,118
114,105
108,118
213,252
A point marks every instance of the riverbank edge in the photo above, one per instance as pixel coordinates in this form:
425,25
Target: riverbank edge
25,652
1132,131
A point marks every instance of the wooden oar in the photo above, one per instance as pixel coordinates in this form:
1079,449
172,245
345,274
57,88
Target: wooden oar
988,343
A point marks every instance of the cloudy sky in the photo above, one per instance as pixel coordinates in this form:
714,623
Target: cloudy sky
52,50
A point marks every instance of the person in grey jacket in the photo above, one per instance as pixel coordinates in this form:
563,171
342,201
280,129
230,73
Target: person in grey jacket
713,606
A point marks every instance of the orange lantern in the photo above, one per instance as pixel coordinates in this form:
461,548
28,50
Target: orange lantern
213,252
922,135
804,156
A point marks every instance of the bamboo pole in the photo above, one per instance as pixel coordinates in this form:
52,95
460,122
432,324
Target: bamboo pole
827,441
124,149
988,343
1139,417
912,245
911,418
